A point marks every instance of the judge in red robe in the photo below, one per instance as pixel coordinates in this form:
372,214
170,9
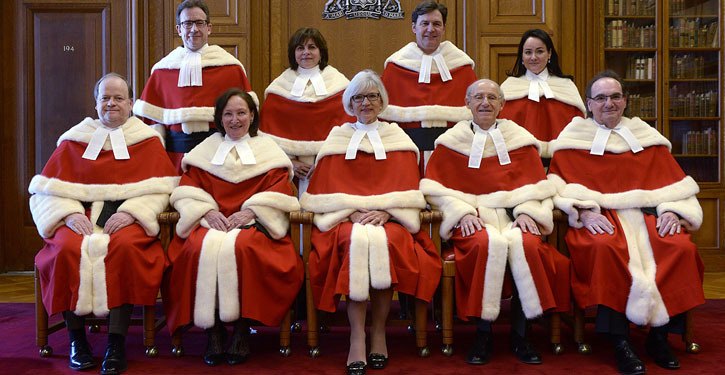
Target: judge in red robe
487,179
96,204
304,102
630,208
367,240
232,259
178,99
539,96
427,79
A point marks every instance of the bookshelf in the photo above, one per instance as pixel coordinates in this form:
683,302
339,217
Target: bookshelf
670,56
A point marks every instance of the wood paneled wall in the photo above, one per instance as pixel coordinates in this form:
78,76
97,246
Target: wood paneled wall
45,88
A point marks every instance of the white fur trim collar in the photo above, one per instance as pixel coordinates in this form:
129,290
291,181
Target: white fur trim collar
266,152
410,57
393,137
211,55
564,90
460,137
579,134
134,131
282,85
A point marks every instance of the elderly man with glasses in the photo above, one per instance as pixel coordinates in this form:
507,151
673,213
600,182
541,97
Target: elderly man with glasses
179,96
487,179
630,208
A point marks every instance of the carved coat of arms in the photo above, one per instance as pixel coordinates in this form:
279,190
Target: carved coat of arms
350,9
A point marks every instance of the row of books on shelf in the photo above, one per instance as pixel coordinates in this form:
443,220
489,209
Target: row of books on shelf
640,68
620,33
692,32
631,8
641,106
683,66
689,7
700,142
694,104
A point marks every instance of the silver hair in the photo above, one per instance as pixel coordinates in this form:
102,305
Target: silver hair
363,81
473,85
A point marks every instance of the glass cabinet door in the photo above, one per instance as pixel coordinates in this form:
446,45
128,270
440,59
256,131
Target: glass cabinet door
693,101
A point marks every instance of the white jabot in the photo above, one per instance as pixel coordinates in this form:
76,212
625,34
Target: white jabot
241,145
536,82
190,71
98,139
602,136
479,142
371,130
426,64
309,75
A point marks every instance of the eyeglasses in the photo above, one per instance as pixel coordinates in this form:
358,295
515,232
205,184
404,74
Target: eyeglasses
601,99
359,98
490,97
199,24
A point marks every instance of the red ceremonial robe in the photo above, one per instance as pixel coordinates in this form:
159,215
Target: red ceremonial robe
540,273
95,273
257,276
634,271
546,118
350,258
188,109
299,124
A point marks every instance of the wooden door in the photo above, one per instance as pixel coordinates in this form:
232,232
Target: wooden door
54,51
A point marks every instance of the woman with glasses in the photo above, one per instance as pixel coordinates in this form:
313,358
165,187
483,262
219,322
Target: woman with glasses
303,103
367,240
630,208
539,96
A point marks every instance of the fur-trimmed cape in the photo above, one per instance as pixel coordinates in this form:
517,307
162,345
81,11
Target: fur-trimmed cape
434,104
349,258
619,184
487,192
251,272
546,118
299,124
66,183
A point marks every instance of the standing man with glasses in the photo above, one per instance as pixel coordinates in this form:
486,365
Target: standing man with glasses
179,96
630,209
486,178
427,79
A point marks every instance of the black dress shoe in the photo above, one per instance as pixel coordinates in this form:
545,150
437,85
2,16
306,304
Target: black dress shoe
81,357
481,350
658,348
627,361
238,350
356,368
377,361
523,350
115,360
214,354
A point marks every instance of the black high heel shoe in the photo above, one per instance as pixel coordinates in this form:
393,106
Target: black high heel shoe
377,361
356,368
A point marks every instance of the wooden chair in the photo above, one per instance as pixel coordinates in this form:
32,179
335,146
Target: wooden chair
578,316
447,293
421,307
149,322
168,222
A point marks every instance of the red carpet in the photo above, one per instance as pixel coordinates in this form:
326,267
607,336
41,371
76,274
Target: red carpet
19,355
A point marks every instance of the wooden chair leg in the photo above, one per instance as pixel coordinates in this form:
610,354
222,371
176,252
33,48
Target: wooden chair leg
447,315
312,323
41,321
177,349
555,327
149,330
421,332
284,335
688,335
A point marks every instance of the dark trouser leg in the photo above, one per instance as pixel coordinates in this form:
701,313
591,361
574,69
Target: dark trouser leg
119,319
75,324
483,326
613,323
518,319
